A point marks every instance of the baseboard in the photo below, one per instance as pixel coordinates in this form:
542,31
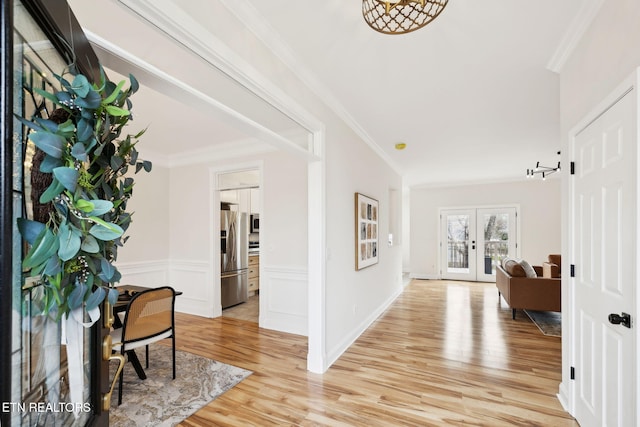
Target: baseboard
563,397
344,345
422,276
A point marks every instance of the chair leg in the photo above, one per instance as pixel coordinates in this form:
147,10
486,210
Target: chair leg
513,314
173,347
147,355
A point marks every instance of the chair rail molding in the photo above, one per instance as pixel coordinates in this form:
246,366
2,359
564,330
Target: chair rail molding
192,278
144,273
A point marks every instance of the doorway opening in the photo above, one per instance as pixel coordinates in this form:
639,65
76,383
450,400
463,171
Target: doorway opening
473,241
238,210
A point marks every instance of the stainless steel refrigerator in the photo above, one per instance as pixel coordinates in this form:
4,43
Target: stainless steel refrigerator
234,257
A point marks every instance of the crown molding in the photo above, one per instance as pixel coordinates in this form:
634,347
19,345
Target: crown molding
169,18
578,27
251,18
454,184
219,152
250,127
226,151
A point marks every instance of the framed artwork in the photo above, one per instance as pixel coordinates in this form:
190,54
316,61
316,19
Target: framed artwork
366,213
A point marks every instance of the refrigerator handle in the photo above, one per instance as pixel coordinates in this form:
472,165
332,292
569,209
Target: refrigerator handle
234,274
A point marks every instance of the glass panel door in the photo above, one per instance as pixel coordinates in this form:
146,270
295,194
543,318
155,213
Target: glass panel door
40,384
474,241
459,229
496,241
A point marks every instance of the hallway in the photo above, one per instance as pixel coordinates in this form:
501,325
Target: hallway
445,353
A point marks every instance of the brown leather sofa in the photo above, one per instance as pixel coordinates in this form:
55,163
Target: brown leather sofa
552,267
522,292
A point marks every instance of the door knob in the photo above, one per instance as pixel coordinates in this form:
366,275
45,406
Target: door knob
624,319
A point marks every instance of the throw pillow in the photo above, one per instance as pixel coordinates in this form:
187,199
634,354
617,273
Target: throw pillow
503,263
528,270
514,268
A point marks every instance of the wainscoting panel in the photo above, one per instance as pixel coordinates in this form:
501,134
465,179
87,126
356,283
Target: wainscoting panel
194,279
283,299
147,273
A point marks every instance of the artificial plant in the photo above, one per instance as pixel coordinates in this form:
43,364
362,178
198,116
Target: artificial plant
88,157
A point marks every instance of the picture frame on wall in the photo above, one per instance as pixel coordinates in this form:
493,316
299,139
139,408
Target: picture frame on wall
366,231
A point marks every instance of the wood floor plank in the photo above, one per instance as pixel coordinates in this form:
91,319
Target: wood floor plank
445,353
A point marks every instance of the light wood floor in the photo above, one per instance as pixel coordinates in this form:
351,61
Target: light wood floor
445,353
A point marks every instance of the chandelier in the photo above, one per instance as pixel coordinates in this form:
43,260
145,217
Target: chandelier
545,171
400,16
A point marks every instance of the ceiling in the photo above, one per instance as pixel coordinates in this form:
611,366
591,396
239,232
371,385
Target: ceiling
474,94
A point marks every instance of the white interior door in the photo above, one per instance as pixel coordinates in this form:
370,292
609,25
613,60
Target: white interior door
475,240
604,234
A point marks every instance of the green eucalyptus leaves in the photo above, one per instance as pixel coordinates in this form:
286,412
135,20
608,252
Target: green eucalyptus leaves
87,158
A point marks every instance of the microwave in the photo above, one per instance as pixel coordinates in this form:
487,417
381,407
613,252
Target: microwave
255,223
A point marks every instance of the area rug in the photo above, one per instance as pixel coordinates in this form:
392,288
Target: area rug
549,322
161,401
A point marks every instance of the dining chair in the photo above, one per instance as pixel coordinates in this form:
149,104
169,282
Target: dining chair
149,318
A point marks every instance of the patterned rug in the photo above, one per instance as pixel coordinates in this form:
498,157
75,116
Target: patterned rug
161,401
549,322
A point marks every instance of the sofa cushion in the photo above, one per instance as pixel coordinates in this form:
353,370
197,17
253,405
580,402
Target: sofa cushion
550,270
557,260
528,269
513,268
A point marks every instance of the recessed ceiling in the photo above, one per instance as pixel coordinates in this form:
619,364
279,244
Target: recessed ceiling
470,94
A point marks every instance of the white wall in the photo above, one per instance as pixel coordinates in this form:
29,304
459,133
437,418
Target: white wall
354,299
607,54
283,244
406,230
539,203
150,194
143,258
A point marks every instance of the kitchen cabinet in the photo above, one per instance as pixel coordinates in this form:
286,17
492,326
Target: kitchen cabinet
229,196
240,197
254,274
254,203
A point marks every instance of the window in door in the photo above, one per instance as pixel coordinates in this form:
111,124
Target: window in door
39,372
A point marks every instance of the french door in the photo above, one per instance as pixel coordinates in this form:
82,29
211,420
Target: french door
474,240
